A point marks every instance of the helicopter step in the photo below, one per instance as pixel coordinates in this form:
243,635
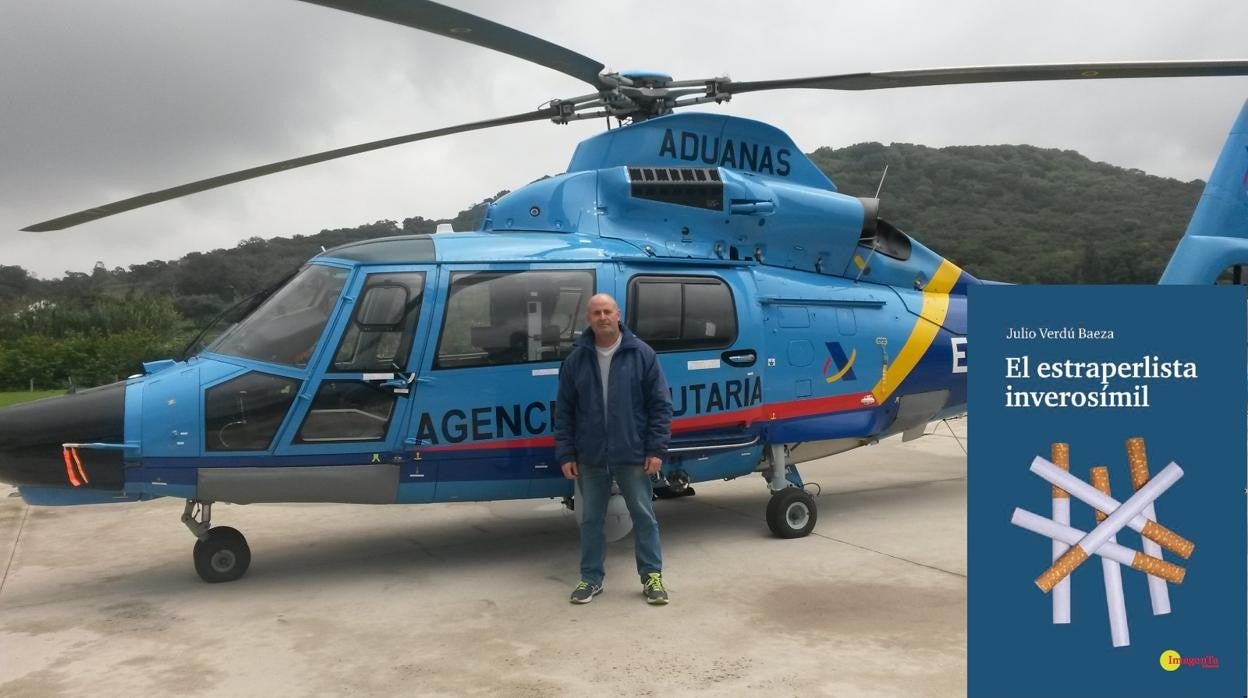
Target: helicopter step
791,511
221,554
674,486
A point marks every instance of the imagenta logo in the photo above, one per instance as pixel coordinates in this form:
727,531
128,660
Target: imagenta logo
1171,660
844,364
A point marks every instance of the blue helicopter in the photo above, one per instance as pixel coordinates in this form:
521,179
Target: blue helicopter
792,321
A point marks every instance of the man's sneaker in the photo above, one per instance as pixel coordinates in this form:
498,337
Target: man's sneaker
585,592
654,590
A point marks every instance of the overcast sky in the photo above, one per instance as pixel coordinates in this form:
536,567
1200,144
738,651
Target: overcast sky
105,99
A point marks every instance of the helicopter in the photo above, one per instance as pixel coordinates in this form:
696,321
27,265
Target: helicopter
792,321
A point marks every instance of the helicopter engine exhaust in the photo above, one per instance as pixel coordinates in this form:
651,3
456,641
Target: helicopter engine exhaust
870,215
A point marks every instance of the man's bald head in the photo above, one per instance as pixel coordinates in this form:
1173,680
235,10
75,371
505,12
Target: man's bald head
603,316
600,298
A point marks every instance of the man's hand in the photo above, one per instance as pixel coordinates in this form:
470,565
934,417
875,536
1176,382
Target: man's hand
570,471
653,464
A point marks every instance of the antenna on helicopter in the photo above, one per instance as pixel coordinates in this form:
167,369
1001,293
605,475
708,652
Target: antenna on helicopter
881,185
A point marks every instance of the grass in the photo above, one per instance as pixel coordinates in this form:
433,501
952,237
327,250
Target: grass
20,396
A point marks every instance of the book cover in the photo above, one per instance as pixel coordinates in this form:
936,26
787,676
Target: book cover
1107,448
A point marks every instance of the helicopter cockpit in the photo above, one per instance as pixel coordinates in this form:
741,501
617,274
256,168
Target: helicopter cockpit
285,328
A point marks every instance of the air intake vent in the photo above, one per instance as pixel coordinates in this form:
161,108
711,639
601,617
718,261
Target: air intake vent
699,187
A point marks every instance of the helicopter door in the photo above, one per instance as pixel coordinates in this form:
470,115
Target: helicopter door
486,412
707,336
356,401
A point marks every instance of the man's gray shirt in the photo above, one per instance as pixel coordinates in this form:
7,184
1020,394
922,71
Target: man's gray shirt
604,368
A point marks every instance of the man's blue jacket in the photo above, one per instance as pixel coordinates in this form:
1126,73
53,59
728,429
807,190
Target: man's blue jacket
641,405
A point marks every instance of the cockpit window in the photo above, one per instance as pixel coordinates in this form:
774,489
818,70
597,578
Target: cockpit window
379,336
286,328
1233,275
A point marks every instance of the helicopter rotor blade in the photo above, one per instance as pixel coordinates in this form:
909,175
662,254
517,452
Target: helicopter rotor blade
462,26
97,212
1000,73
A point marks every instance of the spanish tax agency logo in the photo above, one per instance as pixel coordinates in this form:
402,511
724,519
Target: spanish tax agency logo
1171,661
844,365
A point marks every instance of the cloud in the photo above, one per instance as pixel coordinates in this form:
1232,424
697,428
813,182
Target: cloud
108,99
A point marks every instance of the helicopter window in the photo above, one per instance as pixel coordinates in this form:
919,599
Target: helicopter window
1232,275
662,317
887,240
499,318
347,411
379,337
243,414
682,313
286,327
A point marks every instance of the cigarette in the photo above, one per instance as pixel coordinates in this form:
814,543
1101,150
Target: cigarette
1089,495
1112,573
1137,462
1116,521
1061,514
1119,553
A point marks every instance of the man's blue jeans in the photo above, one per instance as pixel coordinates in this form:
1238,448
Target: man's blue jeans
595,486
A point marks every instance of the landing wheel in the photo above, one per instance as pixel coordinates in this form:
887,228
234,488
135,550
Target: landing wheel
222,556
791,513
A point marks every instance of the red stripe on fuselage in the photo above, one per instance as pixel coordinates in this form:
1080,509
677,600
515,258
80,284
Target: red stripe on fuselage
819,405
744,418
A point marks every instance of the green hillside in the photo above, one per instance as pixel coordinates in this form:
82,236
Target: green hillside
1010,213
1023,214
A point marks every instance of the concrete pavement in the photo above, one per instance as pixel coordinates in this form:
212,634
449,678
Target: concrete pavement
454,599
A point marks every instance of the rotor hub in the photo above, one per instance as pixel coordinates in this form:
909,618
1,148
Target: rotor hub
639,95
646,78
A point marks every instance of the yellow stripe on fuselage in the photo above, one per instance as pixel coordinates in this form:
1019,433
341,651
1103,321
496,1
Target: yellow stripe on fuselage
932,315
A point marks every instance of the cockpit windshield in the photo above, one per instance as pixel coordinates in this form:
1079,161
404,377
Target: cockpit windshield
286,327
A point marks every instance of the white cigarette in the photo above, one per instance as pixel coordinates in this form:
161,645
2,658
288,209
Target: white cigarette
1137,464
1111,571
1158,594
1060,452
1098,500
1115,603
1114,551
1119,517
1061,592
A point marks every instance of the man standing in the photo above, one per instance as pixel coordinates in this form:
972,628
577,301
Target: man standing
613,419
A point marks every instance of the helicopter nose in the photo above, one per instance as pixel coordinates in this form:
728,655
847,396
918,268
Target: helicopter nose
31,435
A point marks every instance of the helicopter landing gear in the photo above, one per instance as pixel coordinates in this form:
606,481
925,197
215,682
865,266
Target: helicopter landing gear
791,512
221,554
677,486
